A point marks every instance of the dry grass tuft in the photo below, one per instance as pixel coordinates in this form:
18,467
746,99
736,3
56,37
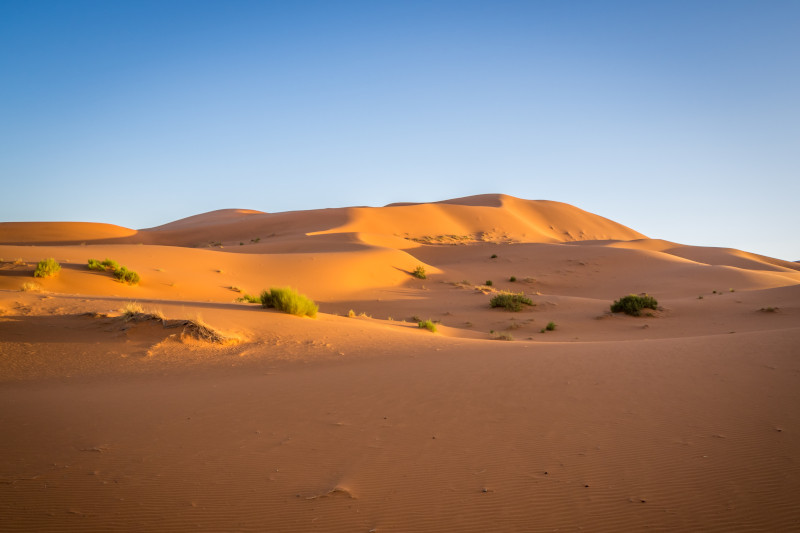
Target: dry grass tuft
199,330
30,286
133,312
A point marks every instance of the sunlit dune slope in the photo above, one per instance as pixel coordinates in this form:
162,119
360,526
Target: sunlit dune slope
491,217
60,232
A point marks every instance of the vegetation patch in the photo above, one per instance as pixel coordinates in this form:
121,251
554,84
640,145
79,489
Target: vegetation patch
289,301
249,298
46,268
419,272
551,326
199,330
30,286
427,324
510,301
633,304
121,273
512,279
124,275
769,309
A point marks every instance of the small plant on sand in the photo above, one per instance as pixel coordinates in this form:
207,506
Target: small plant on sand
124,275
551,326
135,312
488,283
110,264
494,256
510,301
512,279
46,268
351,314
504,337
427,324
94,264
289,301
249,298
633,304
769,309
419,272
30,286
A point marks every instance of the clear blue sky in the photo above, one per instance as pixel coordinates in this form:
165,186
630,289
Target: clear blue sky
679,119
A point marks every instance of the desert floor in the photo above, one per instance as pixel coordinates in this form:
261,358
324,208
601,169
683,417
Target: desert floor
686,418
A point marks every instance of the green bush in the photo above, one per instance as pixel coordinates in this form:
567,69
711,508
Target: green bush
427,324
494,256
510,301
249,298
550,326
46,268
110,264
419,272
633,304
289,301
512,279
124,275
488,283
94,264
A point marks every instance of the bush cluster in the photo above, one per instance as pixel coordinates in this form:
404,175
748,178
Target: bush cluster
419,272
633,304
427,324
510,301
289,301
122,274
46,268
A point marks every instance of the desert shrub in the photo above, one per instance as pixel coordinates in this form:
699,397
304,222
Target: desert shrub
769,309
633,304
124,275
550,326
427,324
512,279
510,301
30,286
249,298
351,314
110,264
504,337
494,256
95,264
46,268
419,272
289,301
488,283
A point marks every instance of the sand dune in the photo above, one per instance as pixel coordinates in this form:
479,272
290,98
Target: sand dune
685,418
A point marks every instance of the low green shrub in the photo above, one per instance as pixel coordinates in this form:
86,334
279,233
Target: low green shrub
510,301
488,283
124,275
512,279
110,264
46,268
550,326
249,298
94,264
419,272
633,304
289,301
427,324
494,256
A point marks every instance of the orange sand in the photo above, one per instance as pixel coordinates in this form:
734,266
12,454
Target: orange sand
685,420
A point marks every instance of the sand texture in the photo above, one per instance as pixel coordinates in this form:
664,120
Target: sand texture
195,411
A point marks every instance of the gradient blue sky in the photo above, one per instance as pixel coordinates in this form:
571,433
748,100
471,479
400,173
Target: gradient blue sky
678,119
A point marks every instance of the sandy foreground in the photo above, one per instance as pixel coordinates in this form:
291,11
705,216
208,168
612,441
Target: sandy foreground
684,420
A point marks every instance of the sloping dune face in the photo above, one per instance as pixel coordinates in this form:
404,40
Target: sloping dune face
60,232
408,403
490,218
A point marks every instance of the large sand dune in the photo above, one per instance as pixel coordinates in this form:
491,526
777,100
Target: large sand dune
687,418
